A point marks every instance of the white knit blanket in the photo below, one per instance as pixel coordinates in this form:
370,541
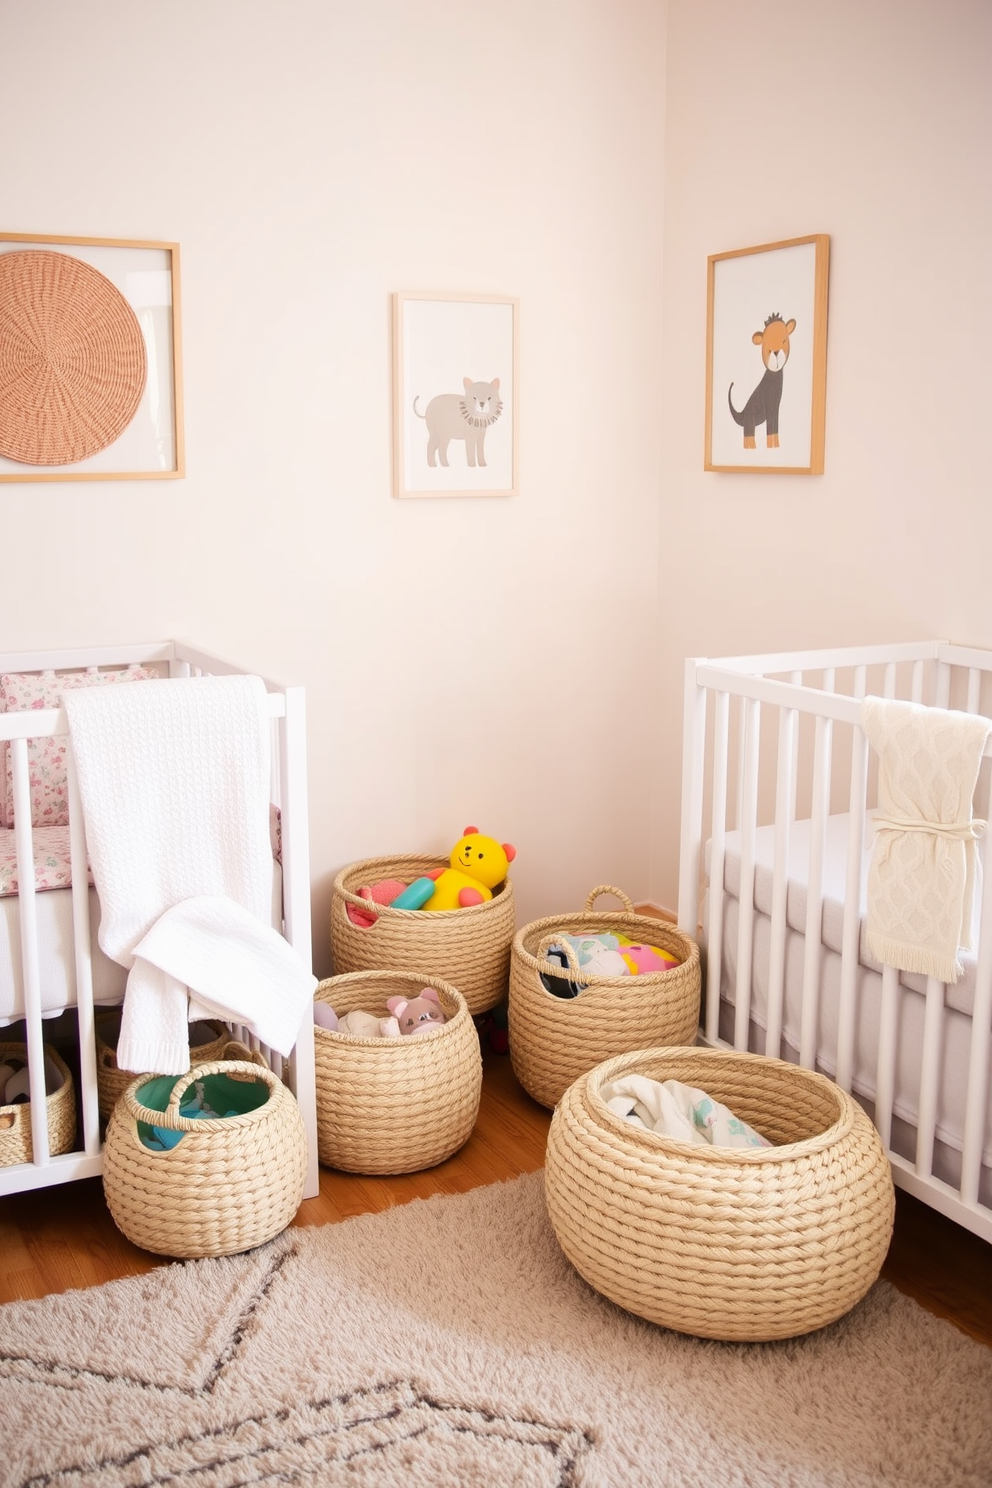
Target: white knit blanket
924,868
174,781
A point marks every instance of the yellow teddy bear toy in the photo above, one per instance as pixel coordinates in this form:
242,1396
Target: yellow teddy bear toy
478,864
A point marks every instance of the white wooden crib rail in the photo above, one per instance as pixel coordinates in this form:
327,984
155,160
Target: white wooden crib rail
289,791
777,739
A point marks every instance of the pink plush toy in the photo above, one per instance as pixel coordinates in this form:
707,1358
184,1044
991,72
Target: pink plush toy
418,1014
383,892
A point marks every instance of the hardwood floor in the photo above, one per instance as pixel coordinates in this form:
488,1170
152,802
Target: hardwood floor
55,1239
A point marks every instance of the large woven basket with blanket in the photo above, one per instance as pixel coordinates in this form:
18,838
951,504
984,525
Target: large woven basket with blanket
720,1242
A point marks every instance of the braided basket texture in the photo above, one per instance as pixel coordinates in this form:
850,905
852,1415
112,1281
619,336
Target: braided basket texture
73,363
735,1244
230,1183
16,1145
469,947
553,1040
112,1081
394,1105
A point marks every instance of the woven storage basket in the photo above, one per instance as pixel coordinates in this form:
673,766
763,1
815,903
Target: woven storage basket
553,1039
231,1183
111,1081
468,947
394,1105
16,1145
736,1244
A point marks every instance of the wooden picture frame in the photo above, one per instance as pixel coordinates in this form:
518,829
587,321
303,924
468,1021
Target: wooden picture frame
455,394
119,387
767,307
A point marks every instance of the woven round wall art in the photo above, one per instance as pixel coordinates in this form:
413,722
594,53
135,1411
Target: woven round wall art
72,359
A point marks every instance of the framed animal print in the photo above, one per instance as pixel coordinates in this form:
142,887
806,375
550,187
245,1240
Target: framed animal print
766,357
455,377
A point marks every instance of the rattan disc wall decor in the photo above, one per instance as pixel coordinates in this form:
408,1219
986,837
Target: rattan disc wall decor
72,359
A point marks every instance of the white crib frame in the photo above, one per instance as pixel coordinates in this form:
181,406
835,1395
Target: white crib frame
287,709
924,672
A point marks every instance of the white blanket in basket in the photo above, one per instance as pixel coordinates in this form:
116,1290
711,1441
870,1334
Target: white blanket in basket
174,781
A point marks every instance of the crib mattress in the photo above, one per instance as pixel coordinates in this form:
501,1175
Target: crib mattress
959,995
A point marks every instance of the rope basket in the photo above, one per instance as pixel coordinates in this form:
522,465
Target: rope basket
112,1081
468,947
231,1182
16,1145
553,1039
394,1105
736,1244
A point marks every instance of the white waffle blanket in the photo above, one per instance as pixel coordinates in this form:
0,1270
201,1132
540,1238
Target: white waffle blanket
924,868
174,781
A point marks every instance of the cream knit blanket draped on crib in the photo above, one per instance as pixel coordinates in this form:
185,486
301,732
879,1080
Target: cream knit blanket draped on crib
924,866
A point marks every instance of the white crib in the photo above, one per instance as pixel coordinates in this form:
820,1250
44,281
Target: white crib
48,939
778,783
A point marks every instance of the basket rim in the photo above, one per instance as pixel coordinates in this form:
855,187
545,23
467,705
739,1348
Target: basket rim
330,1036
594,979
205,1124
652,1141
427,860
60,1065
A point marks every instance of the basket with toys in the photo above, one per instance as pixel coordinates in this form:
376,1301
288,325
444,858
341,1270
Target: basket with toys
453,920
585,987
399,1071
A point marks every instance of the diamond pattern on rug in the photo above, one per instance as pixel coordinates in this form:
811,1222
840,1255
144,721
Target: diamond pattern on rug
362,1439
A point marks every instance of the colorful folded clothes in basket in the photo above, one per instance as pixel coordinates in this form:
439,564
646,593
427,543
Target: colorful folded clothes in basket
605,955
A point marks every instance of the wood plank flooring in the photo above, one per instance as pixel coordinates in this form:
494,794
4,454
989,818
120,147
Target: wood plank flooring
60,1238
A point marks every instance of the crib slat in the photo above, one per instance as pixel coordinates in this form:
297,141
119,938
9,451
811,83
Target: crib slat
851,942
977,1097
82,947
917,687
809,1021
933,1048
888,1033
745,899
718,843
28,914
785,793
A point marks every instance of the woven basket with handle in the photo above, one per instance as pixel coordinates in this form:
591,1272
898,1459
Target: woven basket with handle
112,1081
467,947
231,1182
553,1039
741,1244
394,1105
16,1145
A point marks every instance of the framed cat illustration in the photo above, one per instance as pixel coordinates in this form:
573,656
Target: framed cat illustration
455,377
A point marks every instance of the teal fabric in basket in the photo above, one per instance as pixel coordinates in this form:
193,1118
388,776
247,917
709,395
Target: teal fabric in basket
212,1097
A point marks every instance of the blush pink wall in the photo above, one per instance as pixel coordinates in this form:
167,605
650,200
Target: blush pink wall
873,123
486,661
517,663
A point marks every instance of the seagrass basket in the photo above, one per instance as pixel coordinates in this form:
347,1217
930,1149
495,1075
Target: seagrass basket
553,1039
736,1244
230,1183
468,947
16,1144
112,1081
394,1105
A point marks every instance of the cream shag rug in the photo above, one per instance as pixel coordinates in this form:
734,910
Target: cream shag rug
447,1344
